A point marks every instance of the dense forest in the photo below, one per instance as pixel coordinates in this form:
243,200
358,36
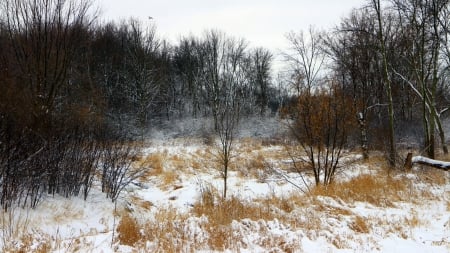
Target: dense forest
75,91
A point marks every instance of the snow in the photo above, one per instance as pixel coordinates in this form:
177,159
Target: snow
70,225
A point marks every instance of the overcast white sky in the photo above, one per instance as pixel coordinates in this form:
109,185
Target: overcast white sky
261,22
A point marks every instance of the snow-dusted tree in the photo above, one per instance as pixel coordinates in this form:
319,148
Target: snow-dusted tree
260,79
212,58
142,77
233,80
422,20
188,69
376,6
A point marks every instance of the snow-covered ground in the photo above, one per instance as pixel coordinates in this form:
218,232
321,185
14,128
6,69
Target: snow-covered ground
417,221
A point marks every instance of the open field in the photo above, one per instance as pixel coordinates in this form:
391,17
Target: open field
177,207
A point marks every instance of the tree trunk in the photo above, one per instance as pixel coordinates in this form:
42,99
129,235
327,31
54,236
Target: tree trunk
387,81
363,132
408,162
441,135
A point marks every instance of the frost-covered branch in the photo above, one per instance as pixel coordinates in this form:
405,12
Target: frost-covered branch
431,162
410,160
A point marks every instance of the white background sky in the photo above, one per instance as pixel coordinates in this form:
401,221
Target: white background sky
261,22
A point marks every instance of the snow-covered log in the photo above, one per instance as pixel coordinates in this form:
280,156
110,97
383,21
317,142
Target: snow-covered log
410,160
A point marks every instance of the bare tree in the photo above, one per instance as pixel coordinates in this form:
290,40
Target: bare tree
142,72
321,116
260,69
307,59
422,20
188,69
224,77
376,5
233,80
350,46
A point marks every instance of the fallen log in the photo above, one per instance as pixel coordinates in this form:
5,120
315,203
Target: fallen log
410,161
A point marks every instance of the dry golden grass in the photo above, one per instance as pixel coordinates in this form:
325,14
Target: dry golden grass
379,190
169,178
196,165
178,162
359,225
129,230
414,221
30,242
258,162
340,242
443,157
204,159
153,164
327,209
221,213
248,143
65,212
432,176
250,165
274,141
167,230
146,205
166,167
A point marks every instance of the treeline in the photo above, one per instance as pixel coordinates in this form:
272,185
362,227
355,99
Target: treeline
70,64
73,89
393,58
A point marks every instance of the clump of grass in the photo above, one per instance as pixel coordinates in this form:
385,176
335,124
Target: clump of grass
169,177
162,165
153,163
196,165
178,162
360,225
222,212
258,162
145,204
414,221
34,243
378,190
273,141
287,203
167,231
341,242
432,176
251,166
129,230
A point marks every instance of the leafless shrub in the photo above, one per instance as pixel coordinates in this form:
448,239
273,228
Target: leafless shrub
320,123
117,169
